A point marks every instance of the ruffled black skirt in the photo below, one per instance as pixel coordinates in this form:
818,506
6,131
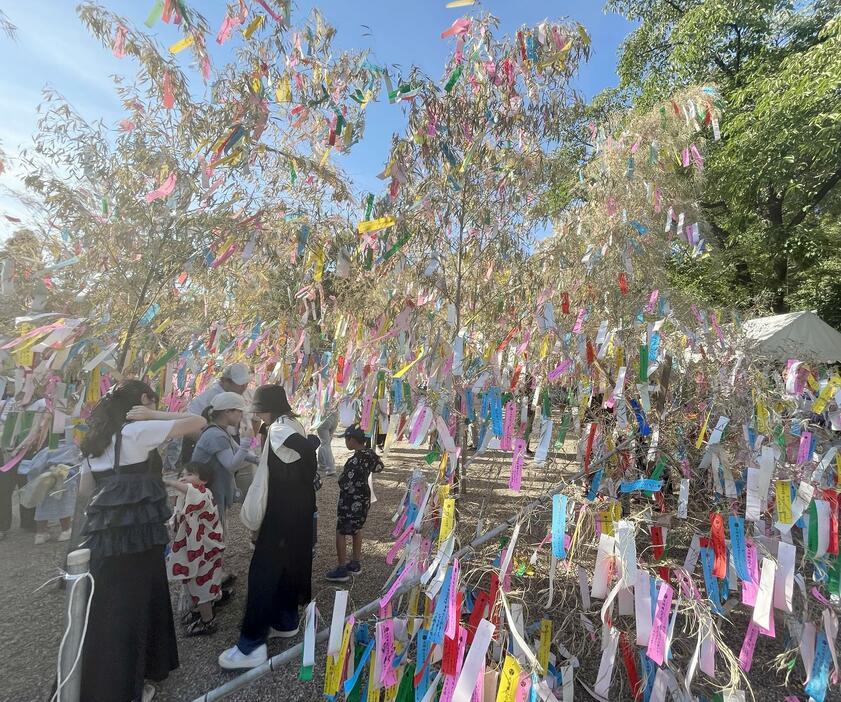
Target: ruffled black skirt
127,514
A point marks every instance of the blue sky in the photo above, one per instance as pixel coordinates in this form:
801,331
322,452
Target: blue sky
52,47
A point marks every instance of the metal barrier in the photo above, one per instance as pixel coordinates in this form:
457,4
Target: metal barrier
464,553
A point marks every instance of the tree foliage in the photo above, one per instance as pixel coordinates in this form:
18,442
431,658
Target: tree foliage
771,197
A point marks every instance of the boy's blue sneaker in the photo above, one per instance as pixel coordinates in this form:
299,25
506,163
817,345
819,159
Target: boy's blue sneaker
339,574
354,567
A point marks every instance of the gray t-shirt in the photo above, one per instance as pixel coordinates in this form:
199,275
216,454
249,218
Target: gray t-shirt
213,440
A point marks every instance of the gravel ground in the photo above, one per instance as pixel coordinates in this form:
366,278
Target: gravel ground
32,621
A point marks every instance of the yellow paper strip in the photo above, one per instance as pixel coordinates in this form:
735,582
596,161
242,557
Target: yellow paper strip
783,501
166,324
182,44
253,26
459,3
447,520
509,678
405,369
545,643
373,225
699,442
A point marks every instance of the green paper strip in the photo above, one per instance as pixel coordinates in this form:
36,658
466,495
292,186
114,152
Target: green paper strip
643,362
305,673
406,691
562,431
155,13
656,473
453,79
162,360
813,530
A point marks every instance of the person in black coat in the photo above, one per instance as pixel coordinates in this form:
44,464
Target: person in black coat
280,575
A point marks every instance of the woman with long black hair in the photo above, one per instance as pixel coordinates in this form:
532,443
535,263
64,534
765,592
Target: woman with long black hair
131,635
280,576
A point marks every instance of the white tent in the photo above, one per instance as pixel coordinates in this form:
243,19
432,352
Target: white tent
800,335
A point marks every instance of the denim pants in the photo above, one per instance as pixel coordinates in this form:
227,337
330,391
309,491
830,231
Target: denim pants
326,461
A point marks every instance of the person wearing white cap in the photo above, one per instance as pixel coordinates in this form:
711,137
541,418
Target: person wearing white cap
218,447
235,379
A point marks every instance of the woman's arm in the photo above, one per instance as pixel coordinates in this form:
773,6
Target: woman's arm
86,486
183,423
231,461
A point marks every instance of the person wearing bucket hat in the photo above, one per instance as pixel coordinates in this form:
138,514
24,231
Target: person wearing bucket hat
217,447
280,575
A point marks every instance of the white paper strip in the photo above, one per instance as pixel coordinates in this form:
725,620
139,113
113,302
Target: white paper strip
337,624
817,476
805,491
661,686
642,607
473,663
765,594
830,627
543,442
602,684
807,648
627,549
602,569
309,636
568,685
715,436
784,582
683,499
692,554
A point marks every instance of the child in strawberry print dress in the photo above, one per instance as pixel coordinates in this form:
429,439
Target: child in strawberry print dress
195,557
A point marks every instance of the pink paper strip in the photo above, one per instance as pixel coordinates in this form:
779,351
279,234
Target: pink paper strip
517,466
657,641
163,191
404,537
396,584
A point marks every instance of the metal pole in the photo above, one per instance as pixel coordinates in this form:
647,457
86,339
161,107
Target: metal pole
78,564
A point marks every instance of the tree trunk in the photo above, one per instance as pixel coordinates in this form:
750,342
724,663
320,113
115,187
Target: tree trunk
135,318
779,237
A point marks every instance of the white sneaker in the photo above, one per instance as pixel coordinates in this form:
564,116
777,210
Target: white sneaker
41,538
234,659
148,692
276,634
65,535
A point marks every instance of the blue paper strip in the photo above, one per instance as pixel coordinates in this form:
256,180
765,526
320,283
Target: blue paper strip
559,525
360,666
439,618
737,543
642,484
817,685
594,486
710,582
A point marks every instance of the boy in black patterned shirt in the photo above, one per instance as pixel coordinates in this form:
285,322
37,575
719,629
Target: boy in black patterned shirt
354,502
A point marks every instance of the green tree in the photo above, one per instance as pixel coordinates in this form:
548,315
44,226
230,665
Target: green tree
771,198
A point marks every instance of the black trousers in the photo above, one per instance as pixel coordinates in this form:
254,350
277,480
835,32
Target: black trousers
8,482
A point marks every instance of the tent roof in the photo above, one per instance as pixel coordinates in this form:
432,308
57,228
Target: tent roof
800,335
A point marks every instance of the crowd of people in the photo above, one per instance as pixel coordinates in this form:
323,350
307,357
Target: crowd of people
157,487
